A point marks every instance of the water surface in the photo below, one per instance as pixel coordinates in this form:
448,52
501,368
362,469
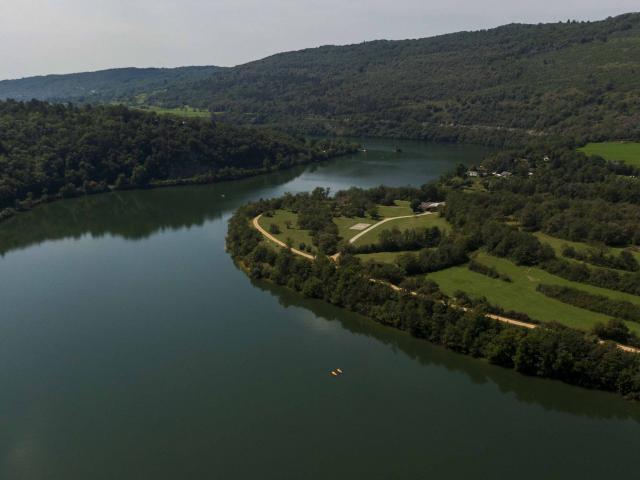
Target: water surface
131,347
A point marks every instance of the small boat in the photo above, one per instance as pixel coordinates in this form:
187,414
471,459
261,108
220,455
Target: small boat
337,372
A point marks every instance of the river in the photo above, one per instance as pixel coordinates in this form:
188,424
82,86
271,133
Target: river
131,347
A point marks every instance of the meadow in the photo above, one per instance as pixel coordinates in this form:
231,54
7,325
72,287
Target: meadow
186,111
521,294
289,232
627,152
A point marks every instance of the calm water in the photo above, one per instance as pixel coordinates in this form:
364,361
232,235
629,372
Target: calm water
131,347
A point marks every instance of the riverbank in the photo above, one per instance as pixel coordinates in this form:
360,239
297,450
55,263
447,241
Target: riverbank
547,350
335,258
27,205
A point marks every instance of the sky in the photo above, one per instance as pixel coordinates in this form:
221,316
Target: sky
62,36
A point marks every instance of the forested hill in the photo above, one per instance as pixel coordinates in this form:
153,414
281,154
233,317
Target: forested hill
120,84
52,151
577,79
510,84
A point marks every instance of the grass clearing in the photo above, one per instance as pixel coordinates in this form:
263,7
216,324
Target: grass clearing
557,244
345,223
401,208
382,257
425,221
186,112
296,235
627,152
521,294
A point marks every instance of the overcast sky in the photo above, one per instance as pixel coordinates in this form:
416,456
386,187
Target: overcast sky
62,36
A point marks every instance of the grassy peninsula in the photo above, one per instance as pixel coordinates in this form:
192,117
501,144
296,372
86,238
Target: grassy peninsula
526,260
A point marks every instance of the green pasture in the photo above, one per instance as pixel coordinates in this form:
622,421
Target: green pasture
521,295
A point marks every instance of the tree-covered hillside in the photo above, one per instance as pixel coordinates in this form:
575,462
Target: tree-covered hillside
513,82
115,85
51,151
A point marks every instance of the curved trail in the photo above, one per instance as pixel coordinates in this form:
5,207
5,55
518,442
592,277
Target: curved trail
492,316
256,224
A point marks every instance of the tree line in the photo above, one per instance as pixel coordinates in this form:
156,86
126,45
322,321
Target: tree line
61,151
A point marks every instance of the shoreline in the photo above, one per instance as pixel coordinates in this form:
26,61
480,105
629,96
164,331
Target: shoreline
498,318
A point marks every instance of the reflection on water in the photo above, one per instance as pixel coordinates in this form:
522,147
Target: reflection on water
549,394
132,347
136,215
133,215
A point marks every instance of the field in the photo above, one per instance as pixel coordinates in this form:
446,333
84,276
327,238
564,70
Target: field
400,208
297,236
434,220
382,257
521,294
558,243
627,152
187,112
345,223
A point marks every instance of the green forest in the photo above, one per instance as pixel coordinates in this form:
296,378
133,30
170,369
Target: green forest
507,85
50,151
129,85
504,86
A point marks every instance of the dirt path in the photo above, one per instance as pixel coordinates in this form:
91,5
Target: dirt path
256,224
498,318
376,225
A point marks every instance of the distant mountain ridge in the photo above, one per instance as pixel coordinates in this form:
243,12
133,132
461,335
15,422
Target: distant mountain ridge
117,84
575,80
580,80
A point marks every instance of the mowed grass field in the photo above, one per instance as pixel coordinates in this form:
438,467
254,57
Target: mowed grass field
424,221
296,235
627,152
345,223
382,257
521,294
400,209
558,243
187,112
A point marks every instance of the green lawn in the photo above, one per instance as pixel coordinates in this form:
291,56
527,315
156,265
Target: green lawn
382,257
187,112
297,236
424,221
401,207
345,223
521,294
627,152
558,243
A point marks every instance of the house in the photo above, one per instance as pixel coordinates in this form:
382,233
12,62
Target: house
504,174
430,206
473,173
